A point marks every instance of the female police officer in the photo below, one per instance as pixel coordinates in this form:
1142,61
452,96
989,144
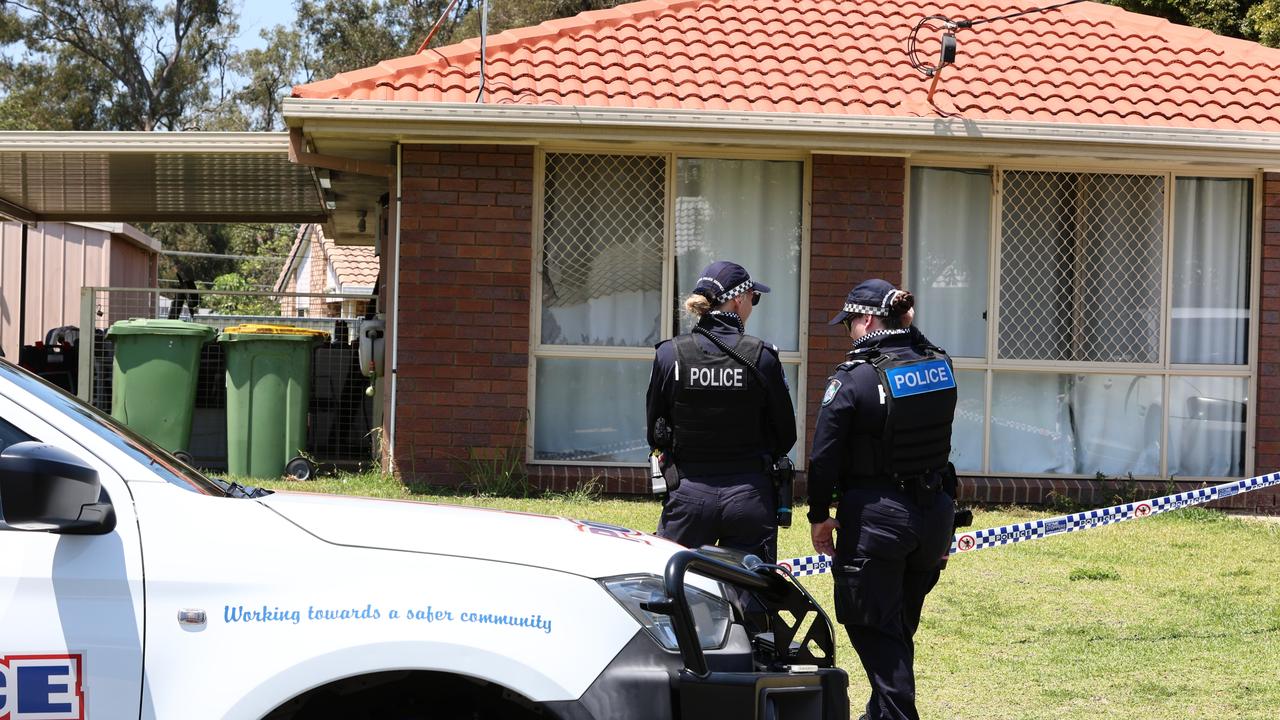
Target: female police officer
882,441
719,408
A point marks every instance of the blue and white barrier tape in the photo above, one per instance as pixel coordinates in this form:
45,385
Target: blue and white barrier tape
1036,529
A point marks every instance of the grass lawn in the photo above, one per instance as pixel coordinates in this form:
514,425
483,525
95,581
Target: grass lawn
1173,617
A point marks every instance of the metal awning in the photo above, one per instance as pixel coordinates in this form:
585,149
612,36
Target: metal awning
155,176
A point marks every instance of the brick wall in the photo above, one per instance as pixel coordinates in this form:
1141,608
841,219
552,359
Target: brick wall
856,234
1267,447
465,263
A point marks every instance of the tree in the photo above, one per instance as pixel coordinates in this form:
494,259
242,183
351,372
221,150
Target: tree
1257,20
508,14
142,67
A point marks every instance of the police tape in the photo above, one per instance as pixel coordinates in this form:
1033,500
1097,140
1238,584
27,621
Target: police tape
1036,529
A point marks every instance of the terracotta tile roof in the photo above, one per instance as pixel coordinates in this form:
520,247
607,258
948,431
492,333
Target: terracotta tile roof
356,265
1089,63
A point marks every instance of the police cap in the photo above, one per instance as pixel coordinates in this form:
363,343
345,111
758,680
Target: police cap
871,297
723,280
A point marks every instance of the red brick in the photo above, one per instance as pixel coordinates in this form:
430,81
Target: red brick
468,251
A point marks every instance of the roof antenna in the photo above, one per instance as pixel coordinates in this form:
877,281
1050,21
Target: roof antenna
436,27
484,34
947,54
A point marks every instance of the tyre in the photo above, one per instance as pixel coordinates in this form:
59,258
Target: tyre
300,468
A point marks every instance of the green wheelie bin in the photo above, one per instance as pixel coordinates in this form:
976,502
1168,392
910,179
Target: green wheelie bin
153,377
268,391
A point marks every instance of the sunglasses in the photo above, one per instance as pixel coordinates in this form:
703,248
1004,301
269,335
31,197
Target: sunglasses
755,298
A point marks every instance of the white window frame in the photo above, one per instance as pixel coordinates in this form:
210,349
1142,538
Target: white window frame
671,154
1164,369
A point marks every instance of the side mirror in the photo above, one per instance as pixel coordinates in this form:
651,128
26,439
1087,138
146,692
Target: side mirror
45,488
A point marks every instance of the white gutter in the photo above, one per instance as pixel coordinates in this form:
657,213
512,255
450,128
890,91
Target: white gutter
146,142
444,122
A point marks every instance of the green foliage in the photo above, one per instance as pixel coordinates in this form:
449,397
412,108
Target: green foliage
508,14
125,64
237,304
1262,22
496,472
1093,573
1257,20
586,491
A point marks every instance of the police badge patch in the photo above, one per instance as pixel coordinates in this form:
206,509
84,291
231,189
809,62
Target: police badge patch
833,387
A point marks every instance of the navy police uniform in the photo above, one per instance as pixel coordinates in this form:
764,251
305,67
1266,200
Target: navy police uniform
881,445
728,426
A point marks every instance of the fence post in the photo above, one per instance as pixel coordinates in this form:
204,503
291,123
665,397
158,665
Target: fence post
89,340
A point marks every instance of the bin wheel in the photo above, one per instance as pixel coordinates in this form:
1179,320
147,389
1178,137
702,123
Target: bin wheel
300,468
185,457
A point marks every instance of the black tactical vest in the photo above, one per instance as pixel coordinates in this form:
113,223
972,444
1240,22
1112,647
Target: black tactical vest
719,403
920,404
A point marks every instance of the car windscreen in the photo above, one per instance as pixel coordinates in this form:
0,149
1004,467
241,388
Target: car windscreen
116,434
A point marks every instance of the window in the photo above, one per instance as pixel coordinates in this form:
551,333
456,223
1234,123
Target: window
10,435
1115,336
622,240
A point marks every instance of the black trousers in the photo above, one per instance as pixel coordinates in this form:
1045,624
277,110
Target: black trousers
733,511
890,550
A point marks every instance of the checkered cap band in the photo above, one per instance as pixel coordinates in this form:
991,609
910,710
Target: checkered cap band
735,291
865,310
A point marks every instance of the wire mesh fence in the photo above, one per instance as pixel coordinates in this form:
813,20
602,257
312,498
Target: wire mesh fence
340,413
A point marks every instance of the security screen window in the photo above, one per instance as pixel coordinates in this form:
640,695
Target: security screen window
616,248
1117,344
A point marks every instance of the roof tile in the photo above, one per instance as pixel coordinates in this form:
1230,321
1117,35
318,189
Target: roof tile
1089,62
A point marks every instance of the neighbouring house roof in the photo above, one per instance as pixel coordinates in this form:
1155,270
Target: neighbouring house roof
356,266
1086,63
128,232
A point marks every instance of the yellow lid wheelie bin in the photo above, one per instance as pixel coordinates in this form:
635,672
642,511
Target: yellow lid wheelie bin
268,391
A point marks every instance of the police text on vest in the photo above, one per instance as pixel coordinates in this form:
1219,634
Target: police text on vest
715,377
917,378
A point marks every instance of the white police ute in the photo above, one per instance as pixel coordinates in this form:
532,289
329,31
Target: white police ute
132,586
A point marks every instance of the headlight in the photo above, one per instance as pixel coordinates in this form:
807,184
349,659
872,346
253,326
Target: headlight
711,615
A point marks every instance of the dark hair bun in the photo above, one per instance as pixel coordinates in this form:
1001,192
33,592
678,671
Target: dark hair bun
902,302
706,293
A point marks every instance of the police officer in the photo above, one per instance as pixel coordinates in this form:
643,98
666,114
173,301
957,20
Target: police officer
719,409
882,441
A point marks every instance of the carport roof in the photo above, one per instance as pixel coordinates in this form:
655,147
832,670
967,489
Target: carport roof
142,176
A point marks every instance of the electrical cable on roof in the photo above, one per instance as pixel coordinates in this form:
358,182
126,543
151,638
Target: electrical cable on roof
484,33
948,28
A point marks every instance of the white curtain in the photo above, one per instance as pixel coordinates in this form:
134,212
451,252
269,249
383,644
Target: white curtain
591,410
950,227
1116,421
1211,271
749,212
1031,423
966,431
1207,418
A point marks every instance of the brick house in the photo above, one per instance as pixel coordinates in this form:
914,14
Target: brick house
317,264
1086,204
